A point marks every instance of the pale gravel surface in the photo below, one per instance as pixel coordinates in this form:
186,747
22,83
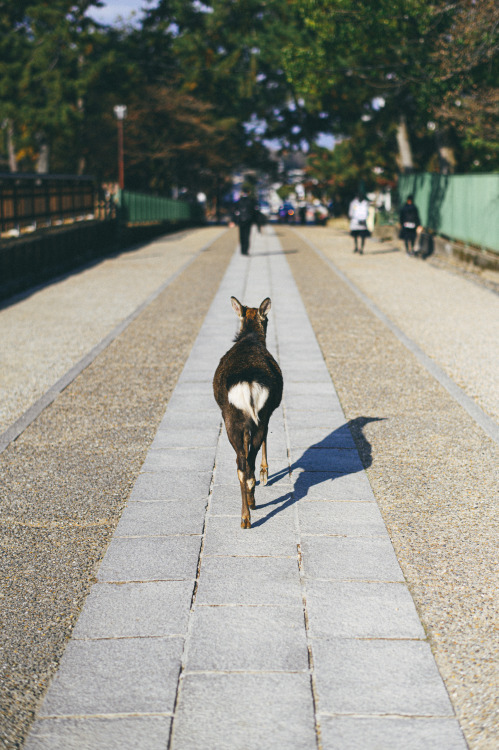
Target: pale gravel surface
433,470
437,500
424,301
65,480
43,335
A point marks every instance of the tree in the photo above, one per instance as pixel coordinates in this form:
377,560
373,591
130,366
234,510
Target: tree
41,77
413,57
365,160
13,56
467,60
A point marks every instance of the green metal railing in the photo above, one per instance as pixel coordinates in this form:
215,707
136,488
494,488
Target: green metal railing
140,208
461,207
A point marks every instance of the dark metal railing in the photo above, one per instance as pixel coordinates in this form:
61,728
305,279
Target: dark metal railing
31,201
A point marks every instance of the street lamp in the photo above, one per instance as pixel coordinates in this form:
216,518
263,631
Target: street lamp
120,113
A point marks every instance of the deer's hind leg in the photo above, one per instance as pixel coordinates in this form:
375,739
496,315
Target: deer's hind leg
250,469
243,475
256,442
245,514
239,437
264,467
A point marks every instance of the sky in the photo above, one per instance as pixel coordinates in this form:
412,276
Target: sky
114,8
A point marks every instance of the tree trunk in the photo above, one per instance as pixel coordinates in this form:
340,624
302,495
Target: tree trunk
42,164
405,153
11,149
446,156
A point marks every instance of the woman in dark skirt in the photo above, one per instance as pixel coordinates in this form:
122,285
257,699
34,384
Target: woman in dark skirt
409,224
358,213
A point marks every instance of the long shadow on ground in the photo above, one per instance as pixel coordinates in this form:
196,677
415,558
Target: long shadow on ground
336,455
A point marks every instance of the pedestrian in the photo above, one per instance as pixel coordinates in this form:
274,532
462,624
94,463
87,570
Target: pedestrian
410,224
358,212
245,214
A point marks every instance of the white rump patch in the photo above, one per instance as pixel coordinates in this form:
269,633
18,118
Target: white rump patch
249,398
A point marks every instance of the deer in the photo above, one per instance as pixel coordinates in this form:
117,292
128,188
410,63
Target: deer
248,388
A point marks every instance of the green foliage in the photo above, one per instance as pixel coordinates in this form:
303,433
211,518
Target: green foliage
284,191
427,62
366,157
206,83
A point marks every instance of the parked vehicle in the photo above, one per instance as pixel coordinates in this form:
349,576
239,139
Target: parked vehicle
286,213
264,208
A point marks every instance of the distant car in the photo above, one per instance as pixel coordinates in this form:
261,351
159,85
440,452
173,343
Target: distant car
264,208
286,213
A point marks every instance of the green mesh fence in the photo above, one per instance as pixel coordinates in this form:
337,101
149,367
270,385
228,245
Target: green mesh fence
461,207
140,208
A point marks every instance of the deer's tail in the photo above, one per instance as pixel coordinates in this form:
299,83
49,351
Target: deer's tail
249,398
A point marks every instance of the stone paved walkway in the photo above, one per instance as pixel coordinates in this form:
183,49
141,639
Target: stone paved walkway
299,633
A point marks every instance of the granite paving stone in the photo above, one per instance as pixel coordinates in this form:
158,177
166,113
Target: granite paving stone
117,676
224,537
378,677
178,419
252,711
361,609
302,389
195,402
313,401
171,485
186,437
130,733
374,733
257,581
329,459
248,639
179,460
162,518
316,485
341,519
151,559
336,435
366,558
135,610
299,419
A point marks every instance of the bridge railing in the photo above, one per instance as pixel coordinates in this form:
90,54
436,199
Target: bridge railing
34,201
142,208
52,224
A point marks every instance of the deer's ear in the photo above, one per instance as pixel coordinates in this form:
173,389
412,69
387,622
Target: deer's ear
264,307
238,308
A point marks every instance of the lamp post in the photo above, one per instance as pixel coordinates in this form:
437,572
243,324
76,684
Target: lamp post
120,111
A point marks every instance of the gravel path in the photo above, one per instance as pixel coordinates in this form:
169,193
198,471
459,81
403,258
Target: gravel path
306,614
454,321
45,333
433,470
66,479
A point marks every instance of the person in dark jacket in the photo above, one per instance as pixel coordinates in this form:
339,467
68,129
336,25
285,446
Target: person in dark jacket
245,214
409,224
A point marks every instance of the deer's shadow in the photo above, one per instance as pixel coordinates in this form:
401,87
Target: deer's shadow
344,451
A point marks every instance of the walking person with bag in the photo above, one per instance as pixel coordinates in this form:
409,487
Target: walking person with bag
358,213
410,224
245,215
